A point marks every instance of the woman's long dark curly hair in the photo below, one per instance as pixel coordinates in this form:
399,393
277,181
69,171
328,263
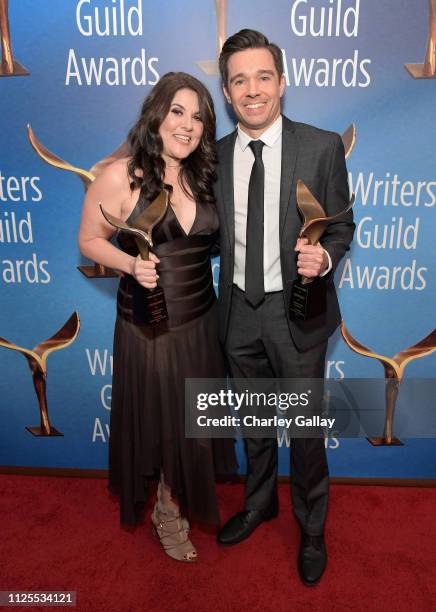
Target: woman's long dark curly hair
197,170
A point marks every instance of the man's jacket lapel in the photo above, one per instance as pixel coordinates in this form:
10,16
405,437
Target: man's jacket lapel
226,171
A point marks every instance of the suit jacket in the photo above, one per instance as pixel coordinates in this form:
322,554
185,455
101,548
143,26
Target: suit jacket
316,157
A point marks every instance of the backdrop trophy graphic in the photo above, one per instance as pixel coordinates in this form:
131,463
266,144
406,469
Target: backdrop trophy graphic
210,67
87,177
427,70
37,360
149,305
308,295
9,66
394,371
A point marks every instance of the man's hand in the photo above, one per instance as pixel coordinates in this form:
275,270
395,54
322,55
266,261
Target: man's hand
312,260
145,271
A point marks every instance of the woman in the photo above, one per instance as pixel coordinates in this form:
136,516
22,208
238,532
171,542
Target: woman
172,147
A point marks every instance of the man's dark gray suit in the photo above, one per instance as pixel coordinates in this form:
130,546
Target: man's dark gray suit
263,342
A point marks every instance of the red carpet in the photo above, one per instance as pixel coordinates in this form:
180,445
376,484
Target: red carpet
63,534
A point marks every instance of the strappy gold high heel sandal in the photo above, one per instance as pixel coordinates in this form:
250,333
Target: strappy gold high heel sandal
173,532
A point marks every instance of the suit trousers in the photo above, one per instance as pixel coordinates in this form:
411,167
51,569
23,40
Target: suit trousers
259,345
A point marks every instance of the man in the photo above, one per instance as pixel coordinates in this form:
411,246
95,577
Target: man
259,166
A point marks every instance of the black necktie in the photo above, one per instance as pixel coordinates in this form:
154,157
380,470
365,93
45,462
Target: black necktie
254,287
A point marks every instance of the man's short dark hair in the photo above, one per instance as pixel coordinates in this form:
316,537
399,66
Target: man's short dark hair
248,39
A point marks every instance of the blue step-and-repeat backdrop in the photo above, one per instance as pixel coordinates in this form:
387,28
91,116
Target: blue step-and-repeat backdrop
87,66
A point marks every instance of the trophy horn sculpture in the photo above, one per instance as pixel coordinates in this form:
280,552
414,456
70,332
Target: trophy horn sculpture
37,360
210,67
308,298
349,139
427,70
152,307
9,66
394,371
87,177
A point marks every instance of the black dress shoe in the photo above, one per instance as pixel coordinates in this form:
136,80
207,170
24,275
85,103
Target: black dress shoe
312,559
240,526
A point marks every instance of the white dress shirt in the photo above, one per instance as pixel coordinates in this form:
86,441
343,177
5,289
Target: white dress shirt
242,164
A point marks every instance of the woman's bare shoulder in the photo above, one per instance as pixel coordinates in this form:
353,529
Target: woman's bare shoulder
114,177
117,171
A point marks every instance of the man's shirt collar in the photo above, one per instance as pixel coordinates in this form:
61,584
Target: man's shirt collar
269,137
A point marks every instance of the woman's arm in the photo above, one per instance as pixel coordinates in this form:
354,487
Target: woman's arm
112,189
109,189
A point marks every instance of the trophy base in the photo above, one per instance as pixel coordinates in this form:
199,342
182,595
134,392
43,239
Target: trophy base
39,432
209,67
307,300
149,306
419,71
97,271
18,70
385,442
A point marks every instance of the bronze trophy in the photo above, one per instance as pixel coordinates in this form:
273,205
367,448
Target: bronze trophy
87,177
153,304
210,67
308,296
427,70
37,360
9,66
301,307
394,372
349,139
